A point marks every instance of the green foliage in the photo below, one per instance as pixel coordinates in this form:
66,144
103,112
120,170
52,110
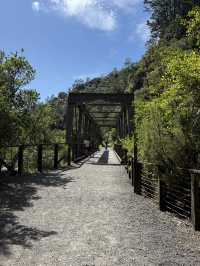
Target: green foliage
193,27
58,105
118,81
115,82
23,119
167,82
128,144
167,16
15,73
168,102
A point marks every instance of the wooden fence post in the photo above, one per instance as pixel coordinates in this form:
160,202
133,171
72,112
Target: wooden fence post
69,155
162,195
129,169
195,198
73,152
125,157
137,177
132,170
39,161
56,156
20,159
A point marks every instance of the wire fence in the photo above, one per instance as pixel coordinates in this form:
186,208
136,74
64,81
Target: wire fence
174,190
32,158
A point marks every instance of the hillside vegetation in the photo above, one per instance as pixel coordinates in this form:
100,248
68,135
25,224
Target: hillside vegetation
166,81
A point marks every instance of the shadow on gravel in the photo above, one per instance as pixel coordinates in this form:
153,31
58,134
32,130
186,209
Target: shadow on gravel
17,194
82,162
110,164
103,160
13,233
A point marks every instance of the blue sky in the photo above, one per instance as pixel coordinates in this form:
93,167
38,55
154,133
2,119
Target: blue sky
66,40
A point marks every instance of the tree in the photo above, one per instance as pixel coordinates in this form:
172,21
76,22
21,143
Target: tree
167,15
193,28
15,73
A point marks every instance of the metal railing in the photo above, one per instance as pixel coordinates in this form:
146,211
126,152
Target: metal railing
177,192
31,158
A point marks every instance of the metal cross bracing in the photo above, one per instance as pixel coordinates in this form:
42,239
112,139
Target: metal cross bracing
89,114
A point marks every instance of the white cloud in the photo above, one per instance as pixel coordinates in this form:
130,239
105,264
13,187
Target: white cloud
143,31
97,14
90,12
36,5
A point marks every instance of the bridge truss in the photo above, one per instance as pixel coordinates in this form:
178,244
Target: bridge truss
90,114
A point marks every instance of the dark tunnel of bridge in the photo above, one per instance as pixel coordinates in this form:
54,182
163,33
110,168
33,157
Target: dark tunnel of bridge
90,116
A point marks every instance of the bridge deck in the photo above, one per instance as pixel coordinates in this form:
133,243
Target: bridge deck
89,215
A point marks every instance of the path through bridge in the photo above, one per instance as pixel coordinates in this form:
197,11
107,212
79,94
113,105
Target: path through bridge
89,215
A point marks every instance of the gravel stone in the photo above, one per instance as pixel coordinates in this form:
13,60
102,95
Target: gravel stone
89,216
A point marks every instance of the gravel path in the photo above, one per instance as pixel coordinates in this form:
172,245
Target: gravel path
89,216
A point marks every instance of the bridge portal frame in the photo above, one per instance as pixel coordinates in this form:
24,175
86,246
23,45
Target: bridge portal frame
78,116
